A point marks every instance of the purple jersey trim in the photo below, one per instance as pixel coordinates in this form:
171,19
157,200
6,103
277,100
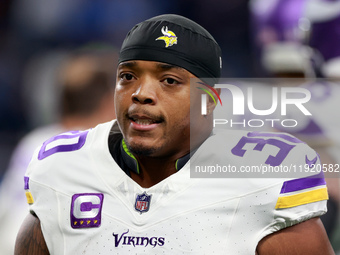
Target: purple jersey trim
283,136
26,180
43,153
303,183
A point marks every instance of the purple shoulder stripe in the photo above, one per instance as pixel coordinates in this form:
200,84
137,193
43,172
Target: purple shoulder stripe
303,183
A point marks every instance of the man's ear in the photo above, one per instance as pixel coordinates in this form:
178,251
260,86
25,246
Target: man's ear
212,102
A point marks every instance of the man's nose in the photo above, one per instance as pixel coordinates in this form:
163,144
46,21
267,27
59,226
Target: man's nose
146,92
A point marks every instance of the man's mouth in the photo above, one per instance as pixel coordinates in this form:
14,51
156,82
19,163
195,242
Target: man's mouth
143,121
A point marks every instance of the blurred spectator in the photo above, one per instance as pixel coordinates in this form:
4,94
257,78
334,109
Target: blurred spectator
280,34
86,83
294,38
325,35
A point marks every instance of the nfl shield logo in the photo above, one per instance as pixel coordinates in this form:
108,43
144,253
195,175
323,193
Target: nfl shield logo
142,203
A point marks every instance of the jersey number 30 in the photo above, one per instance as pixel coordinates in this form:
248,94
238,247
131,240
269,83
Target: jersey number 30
45,151
253,137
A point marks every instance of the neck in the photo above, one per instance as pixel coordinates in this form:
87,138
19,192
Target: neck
154,169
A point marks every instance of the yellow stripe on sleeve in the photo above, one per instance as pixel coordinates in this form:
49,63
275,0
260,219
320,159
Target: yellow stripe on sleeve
302,198
29,197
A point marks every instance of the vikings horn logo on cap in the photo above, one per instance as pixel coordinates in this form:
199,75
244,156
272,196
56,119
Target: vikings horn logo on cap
169,37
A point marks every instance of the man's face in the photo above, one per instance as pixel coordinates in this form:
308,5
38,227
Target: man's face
152,104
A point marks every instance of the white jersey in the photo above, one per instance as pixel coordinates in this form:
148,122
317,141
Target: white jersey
87,204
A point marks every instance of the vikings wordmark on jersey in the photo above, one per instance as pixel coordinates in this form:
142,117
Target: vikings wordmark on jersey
124,239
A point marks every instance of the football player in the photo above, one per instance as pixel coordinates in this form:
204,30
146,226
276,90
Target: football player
124,187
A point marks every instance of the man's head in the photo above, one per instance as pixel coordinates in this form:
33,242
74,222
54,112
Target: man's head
87,88
157,60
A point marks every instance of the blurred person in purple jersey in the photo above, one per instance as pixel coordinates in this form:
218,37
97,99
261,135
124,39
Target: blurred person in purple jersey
86,85
280,32
299,39
325,38
325,34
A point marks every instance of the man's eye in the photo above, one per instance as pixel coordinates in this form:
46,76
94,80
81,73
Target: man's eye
126,76
170,81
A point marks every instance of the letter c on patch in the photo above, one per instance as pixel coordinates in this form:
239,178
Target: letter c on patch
86,208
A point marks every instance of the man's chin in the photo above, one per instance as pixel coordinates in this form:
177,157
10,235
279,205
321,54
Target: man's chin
141,149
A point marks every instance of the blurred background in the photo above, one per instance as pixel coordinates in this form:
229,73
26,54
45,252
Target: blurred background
49,47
